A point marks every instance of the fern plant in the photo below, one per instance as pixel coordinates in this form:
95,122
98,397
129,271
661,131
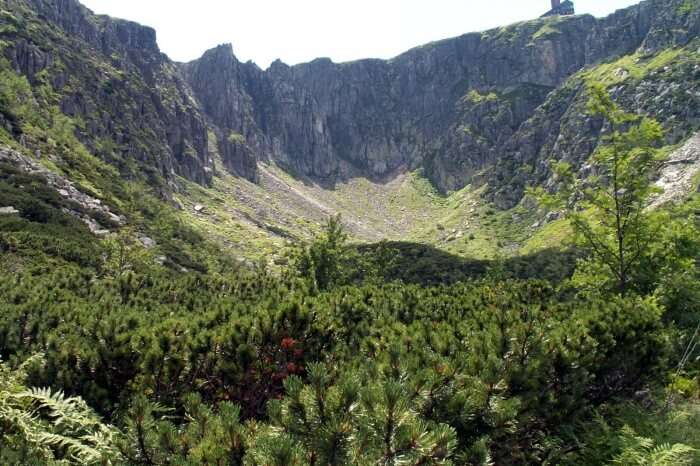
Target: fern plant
642,451
40,425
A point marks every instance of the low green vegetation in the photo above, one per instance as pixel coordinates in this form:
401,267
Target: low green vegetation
638,66
688,6
550,27
552,235
315,365
695,182
43,231
476,98
348,354
236,138
546,31
37,423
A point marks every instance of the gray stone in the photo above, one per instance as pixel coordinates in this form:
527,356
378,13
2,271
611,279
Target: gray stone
676,180
147,242
552,216
8,210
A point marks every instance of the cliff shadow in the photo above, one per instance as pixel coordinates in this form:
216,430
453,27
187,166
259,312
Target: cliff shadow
424,264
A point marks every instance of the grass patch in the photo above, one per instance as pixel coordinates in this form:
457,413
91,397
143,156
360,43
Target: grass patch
553,235
475,97
635,66
688,7
695,182
550,27
236,138
547,30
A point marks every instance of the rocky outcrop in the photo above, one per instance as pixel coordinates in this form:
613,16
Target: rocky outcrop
9,210
222,84
666,87
90,210
679,172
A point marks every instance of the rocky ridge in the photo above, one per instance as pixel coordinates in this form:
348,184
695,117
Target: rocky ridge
679,172
453,108
484,108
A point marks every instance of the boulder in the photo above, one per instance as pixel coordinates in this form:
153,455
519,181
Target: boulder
147,242
8,210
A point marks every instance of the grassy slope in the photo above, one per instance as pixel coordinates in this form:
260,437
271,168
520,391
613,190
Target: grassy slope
257,220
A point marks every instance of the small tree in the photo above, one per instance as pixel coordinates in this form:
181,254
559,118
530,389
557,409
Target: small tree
125,261
607,209
206,435
321,261
356,419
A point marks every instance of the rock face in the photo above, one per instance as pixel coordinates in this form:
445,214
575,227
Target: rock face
665,85
110,74
488,107
221,84
454,107
679,172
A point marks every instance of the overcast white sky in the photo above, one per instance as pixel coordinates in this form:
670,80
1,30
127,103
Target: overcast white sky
300,30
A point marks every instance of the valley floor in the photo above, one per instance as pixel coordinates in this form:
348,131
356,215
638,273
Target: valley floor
257,219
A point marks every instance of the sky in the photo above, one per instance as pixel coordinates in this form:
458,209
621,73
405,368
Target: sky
298,31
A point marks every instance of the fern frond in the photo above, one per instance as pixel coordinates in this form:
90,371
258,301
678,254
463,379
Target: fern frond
61,429
671,455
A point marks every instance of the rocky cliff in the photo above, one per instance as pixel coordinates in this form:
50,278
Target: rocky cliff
136,110
457,108
490,107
